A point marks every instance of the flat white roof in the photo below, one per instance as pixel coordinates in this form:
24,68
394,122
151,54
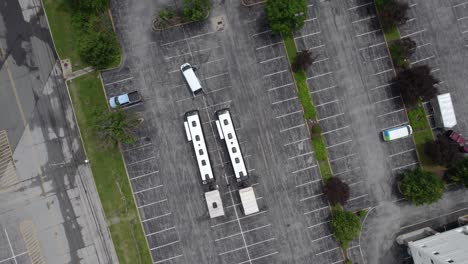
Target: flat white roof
194,127
248,200
227,131
447,113
214,203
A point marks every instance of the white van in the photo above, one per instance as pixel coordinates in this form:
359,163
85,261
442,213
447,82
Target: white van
397,132
191,78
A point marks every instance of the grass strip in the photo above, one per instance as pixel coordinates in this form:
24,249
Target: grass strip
109,174
310,112
422,133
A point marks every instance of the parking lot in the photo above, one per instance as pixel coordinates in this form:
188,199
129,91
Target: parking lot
292,224
12,248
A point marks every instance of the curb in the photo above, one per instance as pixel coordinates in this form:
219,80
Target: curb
254,4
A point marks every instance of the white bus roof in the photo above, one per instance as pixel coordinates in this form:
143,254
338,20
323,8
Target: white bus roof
447,113
214,203
248,200
227,132
193,127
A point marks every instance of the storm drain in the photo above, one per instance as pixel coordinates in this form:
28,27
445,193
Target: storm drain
8,178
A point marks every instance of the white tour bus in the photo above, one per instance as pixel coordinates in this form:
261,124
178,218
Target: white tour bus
191,78
194,132
397,132
227,132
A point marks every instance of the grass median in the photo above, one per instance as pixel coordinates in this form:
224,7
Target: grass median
310,112
109,174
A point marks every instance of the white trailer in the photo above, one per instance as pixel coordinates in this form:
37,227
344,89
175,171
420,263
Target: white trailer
444,114
248,200
214,203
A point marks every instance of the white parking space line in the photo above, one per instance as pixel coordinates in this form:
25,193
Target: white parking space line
320,238
184,39
301,155
257,258
222,238
310,19
380,58
367,33
235,190
318,61
344,142
392,112
171,258
413,5
278,87
119,81
288,114
303,169
263,32
160,201
297,141
165,245
331,102
155,187
291,128
372,45
240,218
382,86
401,152
382,72
139,147
155,217
269,45
11,248
461,4
328,117
358,197
424,59
308,35
160,231
324,89
260,242
310,197
322,208
408,165
215,105
317,47
414,33
339,173
243,232
322,223
237,204
13,257
143,175
279,57
271,74
320,75
140,161
388,99
362,19
330,131
400,124
285,100
430,219
307,183
356,7
423,45
326,251
230,251
344,157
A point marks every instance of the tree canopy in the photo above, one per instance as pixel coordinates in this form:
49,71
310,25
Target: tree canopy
392,13
421,187
443,151
286,16
336,191
115,126
346,225
302,60
196,10
415,83
401,50
459,173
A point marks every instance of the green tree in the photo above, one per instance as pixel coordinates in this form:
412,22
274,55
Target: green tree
302,61
415,83
286,16
115,126
196,10
421,187
98,49
459,173
346,225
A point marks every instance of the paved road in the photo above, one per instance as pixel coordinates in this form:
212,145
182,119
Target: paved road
49,209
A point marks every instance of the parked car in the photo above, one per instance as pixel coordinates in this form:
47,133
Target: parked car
125,100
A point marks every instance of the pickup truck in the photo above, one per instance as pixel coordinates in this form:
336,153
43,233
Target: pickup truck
125,100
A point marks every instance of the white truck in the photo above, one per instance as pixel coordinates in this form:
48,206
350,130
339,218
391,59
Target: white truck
444,114
248,200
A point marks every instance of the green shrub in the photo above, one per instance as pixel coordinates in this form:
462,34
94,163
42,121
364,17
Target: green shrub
346,225
166,14
459,173
361,213
90,6
316,130
401,50
421,187
98,49
286,16
196,10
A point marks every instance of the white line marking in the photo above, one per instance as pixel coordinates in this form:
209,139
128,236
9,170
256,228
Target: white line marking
140,161
265,61
320,75
310,197
222,238
271,74
139,147
237,204
452,212
160,231
362,19
310,19
269,45
294,142
165,245
322,238
427,58
382,86
357,197
171,258
209,106
326,222
331,102
329,131
197,36
404,123
318,61
257,258
230,251
307,183
291,128
392,112
240,218
423,45
347,141
316,91
309,212
13,257
414,33
328,117
263,32
300,155
461,4
11,248
326,251
385,71
401,152
156,217
155,187
160,201
281,86
379,58
260,242
316,47
356,7
307,168
367,33
339,173
285,100
123,80
388,99
462,18
371,46
344,157
311,34
408,165
288,114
